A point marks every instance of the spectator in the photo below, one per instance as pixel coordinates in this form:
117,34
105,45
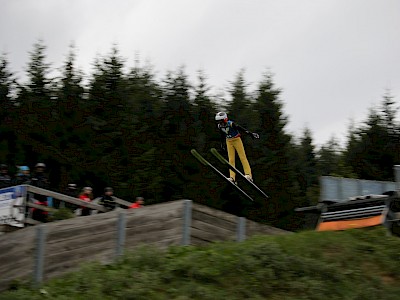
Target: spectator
23,176
138,203
85,195
38,214
5,179
39,178
71,191
107,200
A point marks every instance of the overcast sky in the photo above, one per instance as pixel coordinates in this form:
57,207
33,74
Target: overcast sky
333,59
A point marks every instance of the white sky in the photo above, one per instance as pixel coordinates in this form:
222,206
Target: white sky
333,59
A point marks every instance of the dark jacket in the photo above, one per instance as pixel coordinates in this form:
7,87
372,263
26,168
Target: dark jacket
22,179
5,181
108,202
74,194
40,180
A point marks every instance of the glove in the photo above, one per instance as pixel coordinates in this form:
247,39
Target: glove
255,136
223,146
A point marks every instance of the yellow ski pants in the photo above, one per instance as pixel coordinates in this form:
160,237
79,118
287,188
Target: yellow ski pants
234,145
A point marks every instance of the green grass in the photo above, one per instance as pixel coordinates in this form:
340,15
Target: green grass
353,264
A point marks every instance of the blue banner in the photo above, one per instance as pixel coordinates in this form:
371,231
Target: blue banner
12,205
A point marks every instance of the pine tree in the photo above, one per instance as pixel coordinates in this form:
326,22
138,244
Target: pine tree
177,131
328,157
38,71
37,106
206,132
144,99
141,127
7,112
6,86
238,106
204,184
306,163
108,90
72,91
389,112
273,170
70,127
369,152
107,106
177,103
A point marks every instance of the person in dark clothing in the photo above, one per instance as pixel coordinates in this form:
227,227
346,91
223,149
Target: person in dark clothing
23,176
71,191
107,200
39,179
5,179
38,214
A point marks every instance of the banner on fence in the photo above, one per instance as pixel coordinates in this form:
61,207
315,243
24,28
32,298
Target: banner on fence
12,206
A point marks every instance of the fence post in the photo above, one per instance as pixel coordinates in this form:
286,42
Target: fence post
397,177
121,228
359,187
241,229
340,188
187,222
39,254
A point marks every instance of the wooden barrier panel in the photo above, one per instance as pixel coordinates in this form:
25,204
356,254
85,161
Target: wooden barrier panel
254,228
227,224
72,259
215,213
70,243
210,225
160,225
17,256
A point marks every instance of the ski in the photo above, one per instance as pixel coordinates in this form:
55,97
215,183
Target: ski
202,160
225,162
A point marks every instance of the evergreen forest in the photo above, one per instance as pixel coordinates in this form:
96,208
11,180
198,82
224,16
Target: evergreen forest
131,129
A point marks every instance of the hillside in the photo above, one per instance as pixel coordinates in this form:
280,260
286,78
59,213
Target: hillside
354,264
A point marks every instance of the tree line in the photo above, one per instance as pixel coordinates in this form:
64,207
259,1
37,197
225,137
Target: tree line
128,129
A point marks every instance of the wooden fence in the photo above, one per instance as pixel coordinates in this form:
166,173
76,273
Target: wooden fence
44,251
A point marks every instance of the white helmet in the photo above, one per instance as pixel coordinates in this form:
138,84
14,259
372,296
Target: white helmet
40,165
221,116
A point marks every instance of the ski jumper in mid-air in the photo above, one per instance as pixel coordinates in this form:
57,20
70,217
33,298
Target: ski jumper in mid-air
230,135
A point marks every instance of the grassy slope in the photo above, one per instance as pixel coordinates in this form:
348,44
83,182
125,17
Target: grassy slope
354,264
